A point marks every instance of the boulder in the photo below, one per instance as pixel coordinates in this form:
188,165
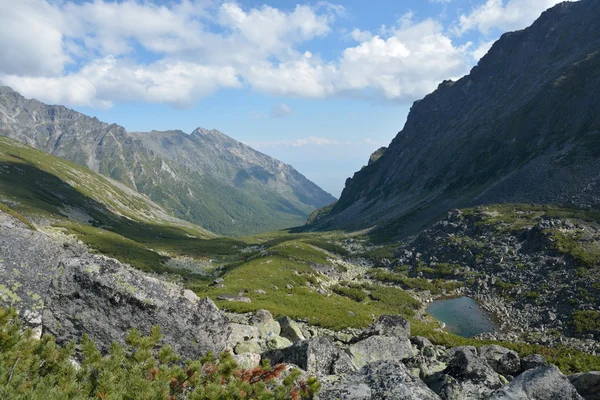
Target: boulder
234,298
264,322
533,361
587,384
380,348
241,333
378,380
247,347
315,356
390,325
247,360
105,299
501,359
290,329
467,376
421,342
542,383
275,342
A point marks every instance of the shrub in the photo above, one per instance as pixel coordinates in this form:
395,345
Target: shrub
355,294
586,321
40,369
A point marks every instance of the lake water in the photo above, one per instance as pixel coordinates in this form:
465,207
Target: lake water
462,316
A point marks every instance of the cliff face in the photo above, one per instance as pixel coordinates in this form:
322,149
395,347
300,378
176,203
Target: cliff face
207,177
523,126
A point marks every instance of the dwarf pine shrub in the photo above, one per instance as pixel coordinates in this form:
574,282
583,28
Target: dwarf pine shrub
142,369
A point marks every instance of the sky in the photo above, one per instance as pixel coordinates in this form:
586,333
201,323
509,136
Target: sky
319,85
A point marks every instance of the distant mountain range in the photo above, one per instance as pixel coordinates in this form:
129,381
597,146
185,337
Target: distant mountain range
206,178
522,127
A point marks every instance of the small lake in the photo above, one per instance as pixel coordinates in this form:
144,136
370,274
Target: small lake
462,316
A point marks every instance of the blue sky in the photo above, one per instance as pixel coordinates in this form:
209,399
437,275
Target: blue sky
319,85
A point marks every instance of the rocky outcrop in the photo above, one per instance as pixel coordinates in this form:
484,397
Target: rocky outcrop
522,127
63,290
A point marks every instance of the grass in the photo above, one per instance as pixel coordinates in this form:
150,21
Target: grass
15,214
284,273
437,286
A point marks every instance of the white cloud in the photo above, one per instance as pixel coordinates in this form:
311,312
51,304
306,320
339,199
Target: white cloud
282,110
31,40
201,46
109,79
405,65
503,15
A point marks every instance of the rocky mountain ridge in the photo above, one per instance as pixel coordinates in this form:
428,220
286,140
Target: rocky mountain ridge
206,178
521,127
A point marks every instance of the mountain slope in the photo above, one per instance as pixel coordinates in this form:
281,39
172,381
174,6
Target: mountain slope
206,178
34,182
523,126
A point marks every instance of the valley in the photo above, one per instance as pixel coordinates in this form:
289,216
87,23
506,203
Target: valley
462,262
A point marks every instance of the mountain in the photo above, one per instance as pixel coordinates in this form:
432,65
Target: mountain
522,127
206,178
53,189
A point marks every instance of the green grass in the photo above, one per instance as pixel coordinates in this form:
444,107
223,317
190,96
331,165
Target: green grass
14,214
436,286
289,264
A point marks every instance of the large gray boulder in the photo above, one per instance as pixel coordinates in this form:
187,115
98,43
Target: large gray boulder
380,348
501,359
104,299
543,383
587,384
265,323
383,380
315,356
467,376
62,289
390,325
290,329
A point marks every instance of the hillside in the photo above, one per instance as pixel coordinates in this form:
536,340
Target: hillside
206,178
522,127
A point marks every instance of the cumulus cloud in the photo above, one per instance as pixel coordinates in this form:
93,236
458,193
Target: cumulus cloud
282,110
502,15
94,53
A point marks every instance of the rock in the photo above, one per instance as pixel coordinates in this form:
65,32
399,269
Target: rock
247,360
378,380
290,329
421,342
233,298
105,299
217,281
390,325
247,347
241,333
533,361
264,322
275,342
501,359
379,348
542,383
587,384
467,376
315,356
